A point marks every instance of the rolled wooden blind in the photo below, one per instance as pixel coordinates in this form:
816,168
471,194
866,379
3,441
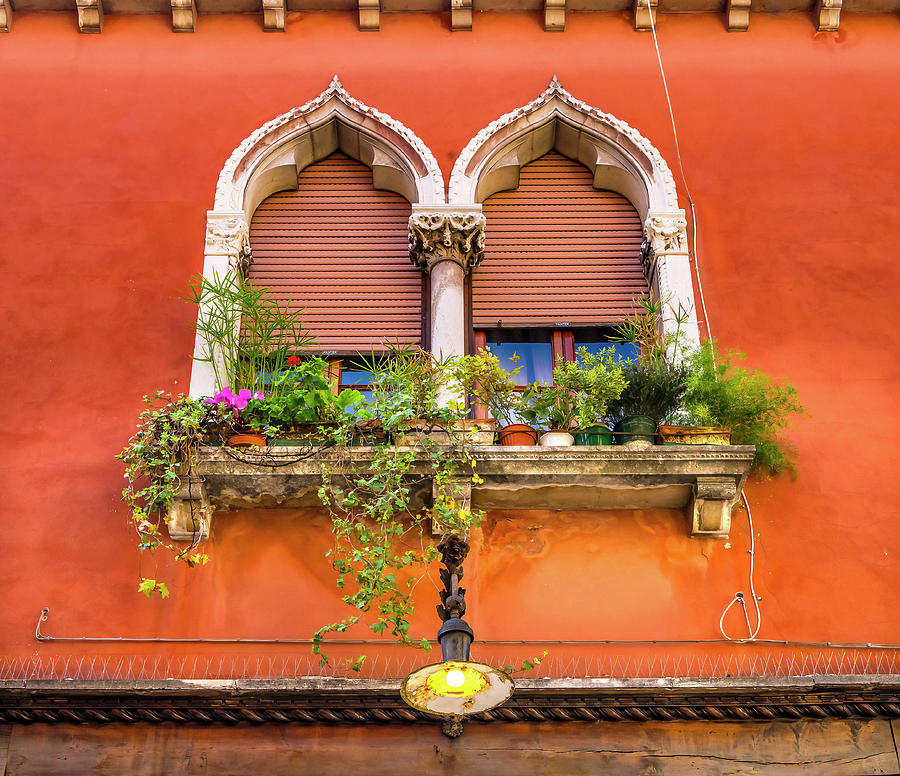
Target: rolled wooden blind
558,251
338,247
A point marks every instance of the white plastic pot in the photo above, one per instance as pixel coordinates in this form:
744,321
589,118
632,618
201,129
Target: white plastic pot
557,439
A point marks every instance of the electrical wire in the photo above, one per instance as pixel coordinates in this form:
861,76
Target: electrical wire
738,597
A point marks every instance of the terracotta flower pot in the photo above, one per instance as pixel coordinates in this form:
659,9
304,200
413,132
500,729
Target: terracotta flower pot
247,439
517,434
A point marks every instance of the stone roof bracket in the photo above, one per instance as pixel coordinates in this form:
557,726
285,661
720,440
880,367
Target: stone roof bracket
190,515
90,15
370,15
273,15
461,15
554,15
5,16
828,15
644,10
184,16
738,13
711,505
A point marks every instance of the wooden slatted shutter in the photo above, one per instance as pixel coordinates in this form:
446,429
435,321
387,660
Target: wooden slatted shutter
557,251
338,247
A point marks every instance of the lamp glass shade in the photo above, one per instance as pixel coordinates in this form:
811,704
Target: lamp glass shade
436,688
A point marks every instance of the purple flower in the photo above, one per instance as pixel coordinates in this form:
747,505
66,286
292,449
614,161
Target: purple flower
232,402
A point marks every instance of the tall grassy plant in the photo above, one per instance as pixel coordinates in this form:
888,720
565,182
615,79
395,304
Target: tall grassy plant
755,408
246,335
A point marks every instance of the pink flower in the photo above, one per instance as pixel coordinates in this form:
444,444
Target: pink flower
232,402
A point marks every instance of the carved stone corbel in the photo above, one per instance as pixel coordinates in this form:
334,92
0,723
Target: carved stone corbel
184,15
738,12
273,15
644,10
229,236
190,514
461,15
5,16
370,15
711,506
554,15
828,15
90,15
446,235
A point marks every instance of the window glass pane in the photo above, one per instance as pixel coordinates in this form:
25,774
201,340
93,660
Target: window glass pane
625,351
355,377
535,360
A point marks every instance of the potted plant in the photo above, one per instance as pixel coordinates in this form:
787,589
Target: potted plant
231,405
485,382
593,380
414,398
302,408
656,379
551,409
749,403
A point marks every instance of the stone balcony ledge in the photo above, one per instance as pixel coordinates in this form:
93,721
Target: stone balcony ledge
704,480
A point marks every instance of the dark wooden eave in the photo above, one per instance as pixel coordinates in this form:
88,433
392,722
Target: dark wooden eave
320,700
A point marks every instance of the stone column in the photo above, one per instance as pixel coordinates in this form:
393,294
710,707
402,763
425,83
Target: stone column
227,249
668,269
447,240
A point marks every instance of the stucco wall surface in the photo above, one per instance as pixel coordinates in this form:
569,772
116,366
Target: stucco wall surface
112,146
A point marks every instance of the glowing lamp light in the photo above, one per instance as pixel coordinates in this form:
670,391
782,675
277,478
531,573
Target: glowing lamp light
455,678
456,688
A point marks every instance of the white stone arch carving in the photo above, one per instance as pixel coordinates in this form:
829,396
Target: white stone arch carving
270,158
621,160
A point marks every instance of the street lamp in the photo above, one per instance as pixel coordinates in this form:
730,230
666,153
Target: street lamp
456,686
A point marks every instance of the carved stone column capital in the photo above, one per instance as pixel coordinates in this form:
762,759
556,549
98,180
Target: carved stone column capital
453,234
228,234
667,232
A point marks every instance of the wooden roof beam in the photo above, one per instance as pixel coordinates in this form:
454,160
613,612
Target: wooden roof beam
828,15
554,15
370,15
460,14
738,12
644,10
184,16
273,15
90,15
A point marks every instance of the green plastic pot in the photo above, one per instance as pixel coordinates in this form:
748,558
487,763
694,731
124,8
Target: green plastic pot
594,435
635,430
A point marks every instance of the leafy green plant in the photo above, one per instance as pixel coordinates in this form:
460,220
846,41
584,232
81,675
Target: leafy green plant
654,389
657,378
380,549
304,396
168,436
246,335
484,381
592,381
750,403
411,385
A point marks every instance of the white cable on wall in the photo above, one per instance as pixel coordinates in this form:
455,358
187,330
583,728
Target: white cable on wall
738,597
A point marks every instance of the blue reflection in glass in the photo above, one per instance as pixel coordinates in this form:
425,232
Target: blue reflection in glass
625,351
535,360
355,377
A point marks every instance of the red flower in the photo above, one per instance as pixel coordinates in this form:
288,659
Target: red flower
293,361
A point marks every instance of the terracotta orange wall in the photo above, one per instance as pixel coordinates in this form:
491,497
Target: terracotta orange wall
112,145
